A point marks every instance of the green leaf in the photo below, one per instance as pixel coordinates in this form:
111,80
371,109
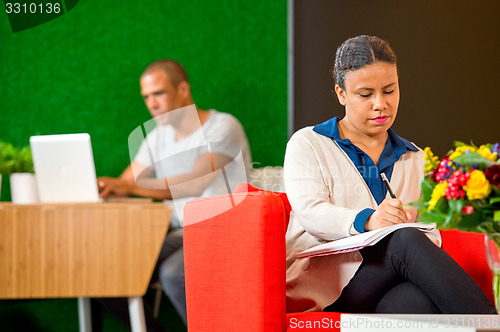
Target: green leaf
427,187
454,215
470,158
420,205
452,220
430,217
456,205
489,226
496,215
494,200
442,206
469,222
15,160
458,143
481,204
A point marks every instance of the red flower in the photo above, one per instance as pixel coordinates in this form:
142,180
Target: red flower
454,192
468,209
493,175
443,170
455,183
459,178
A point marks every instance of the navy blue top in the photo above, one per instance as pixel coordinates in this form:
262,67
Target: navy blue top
394,148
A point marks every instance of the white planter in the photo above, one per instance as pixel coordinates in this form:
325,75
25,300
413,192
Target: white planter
23,188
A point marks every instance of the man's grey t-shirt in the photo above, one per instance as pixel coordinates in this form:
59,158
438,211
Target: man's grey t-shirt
221,133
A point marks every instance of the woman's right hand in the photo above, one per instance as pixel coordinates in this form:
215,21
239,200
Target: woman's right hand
388,213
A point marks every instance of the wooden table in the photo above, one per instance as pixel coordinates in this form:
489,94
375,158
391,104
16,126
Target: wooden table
81,250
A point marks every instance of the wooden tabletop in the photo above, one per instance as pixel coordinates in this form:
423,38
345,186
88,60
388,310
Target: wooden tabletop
84,249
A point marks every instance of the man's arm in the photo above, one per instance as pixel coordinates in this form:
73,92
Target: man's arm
188,184
124,185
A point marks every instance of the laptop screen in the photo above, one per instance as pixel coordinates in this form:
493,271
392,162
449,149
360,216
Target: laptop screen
64,168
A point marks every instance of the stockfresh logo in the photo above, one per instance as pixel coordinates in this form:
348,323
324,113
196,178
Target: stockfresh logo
28,14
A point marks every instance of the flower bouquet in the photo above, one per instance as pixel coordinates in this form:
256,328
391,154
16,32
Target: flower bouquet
462,191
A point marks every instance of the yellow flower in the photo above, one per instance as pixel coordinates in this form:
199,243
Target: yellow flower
431,160
485,152
437,193
477,186
461,150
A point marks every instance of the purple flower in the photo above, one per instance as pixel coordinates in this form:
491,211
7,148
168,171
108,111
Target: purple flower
495,148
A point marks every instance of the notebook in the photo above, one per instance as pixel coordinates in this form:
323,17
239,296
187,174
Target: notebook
64,168
359,241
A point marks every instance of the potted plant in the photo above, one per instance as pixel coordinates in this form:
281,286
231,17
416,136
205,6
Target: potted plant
18,163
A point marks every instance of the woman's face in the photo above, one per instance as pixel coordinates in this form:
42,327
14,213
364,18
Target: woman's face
371,98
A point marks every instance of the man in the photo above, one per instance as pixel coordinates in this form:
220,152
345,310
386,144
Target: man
190,153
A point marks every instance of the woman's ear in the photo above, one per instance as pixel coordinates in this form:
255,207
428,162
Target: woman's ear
341,95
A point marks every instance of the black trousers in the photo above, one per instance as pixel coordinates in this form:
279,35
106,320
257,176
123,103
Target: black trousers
407,273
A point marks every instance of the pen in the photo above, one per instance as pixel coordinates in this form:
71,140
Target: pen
384,178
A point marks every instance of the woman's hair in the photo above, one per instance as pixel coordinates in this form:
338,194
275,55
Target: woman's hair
358,52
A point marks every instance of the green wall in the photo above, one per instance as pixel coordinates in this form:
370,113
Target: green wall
79,72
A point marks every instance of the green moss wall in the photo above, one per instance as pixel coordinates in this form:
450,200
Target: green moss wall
80,71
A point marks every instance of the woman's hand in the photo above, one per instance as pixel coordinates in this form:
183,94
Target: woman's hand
388,213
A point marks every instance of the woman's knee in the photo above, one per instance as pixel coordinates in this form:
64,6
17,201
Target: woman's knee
409,235
406,298
409,241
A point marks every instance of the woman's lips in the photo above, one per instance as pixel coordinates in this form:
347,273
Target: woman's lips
380,119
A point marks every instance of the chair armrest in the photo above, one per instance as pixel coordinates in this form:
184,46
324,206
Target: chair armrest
234,259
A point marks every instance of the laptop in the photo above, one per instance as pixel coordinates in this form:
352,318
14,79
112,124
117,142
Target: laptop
64,168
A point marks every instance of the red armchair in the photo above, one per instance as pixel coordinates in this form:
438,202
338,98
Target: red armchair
234,253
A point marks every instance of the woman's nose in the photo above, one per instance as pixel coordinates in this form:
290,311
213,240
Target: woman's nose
379,102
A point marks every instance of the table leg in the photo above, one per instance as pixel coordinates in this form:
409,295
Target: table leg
136,311
84,314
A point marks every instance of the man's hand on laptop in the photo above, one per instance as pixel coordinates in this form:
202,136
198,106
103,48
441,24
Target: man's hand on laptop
112,187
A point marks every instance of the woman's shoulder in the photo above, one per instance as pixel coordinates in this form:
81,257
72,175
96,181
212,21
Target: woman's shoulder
417,151
415,156
306,133
303,131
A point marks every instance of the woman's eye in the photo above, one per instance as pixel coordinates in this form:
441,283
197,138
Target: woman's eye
365,96
389,92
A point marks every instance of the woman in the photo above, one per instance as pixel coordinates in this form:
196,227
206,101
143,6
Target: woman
332,178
